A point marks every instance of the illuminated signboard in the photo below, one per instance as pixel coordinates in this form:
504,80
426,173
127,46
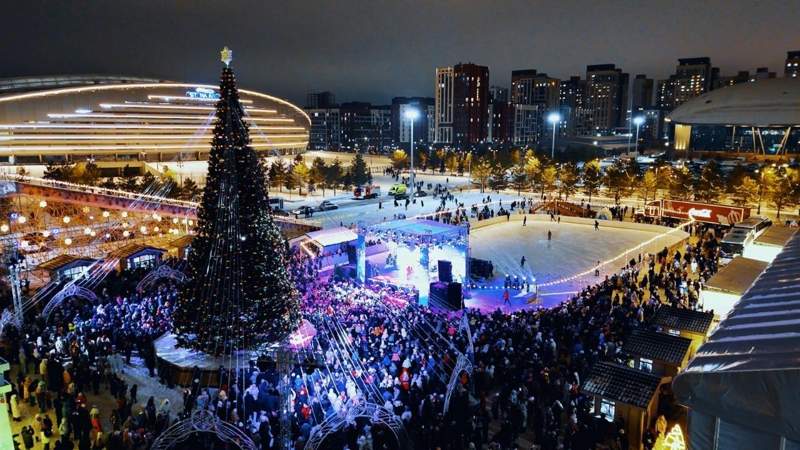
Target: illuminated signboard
201,92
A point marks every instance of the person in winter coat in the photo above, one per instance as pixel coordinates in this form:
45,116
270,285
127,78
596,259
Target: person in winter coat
27,437
15,412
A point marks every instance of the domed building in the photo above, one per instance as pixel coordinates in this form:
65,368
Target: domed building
119,119
761,118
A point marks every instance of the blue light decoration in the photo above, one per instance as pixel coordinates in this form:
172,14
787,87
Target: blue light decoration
204,93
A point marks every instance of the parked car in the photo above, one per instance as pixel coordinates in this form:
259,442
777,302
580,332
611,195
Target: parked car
306,211
326,206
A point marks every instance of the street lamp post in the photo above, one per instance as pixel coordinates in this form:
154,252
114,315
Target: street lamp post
411,115
638,121
553,118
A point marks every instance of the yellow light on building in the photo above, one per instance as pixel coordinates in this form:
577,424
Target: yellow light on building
106,213
22,219
66,219
42,204
673,441
4,228
68,241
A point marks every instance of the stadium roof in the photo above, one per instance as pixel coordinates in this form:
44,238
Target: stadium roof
748,371
34,83
762,103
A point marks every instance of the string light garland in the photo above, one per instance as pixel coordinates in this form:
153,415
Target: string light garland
241,293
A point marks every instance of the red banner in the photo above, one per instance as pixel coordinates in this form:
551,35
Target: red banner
701,212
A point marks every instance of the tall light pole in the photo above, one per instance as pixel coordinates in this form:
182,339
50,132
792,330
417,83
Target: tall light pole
411,115
554,118
638,121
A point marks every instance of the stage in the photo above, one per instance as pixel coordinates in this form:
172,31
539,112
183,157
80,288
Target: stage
178,365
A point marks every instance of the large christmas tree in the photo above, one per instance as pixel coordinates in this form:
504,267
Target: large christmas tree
241,293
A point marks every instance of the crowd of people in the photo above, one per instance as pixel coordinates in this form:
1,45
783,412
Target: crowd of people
373,345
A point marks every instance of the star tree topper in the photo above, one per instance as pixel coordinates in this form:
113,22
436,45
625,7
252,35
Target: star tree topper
226,56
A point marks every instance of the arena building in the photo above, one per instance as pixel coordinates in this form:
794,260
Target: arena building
758,119
119,119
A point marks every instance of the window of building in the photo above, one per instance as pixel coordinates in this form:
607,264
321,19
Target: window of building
646,364
74,272
607,408
144,261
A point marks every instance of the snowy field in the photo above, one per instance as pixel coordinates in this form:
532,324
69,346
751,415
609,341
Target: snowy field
573,249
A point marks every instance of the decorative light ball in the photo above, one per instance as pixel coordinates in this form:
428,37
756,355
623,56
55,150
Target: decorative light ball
46,233
4,228
24,243
91,217
106,213
143,229
125,224
183,221
92,234
85,209
156,229
191,223
124,213
22,219
156,217
42,204
66,219
126,233
68,241
87,231
108,235
175,220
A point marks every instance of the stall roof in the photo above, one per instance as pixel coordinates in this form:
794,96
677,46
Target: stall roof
332,236
622,384
61,261
131,249
419,227
748,371
657,346
183,241
777,235
737,276
683,319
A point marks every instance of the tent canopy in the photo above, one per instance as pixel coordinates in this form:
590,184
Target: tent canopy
748,372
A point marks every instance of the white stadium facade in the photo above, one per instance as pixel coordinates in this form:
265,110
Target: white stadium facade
760,119
118,120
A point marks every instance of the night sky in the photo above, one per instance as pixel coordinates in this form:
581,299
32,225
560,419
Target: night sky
373,50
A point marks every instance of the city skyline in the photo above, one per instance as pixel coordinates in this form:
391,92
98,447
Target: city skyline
369,52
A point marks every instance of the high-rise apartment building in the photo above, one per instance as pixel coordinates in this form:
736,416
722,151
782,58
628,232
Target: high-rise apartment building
693,77
326,131
443,109
470,104
366,127
792,67
642,92
606,97
320,100
532,95
401,126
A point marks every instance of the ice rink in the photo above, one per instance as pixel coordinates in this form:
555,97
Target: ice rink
574,248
